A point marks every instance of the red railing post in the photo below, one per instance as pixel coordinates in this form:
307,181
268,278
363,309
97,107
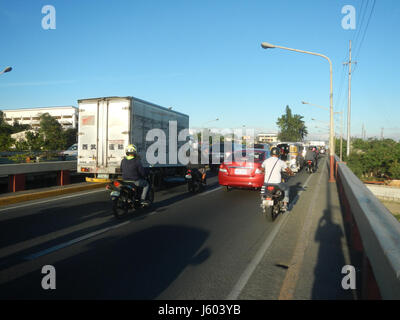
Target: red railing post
16,182
63,177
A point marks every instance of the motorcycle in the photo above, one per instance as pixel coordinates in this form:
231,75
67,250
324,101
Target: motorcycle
126,196
309,166
195,180
271,201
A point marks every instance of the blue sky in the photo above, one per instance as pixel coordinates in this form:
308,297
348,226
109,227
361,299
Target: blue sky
204,58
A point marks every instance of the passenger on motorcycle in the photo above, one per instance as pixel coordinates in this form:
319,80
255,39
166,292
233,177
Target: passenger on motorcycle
133,171
311,155
272,167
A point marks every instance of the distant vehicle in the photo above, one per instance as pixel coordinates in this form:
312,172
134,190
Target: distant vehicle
217,153
71,152
244,171
264,146
292,154
322,150
107,125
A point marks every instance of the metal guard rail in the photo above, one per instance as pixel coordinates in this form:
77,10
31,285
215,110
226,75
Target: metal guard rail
378,229
35,167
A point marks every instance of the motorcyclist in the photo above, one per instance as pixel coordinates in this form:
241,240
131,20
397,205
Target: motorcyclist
272,167
311,155
133,171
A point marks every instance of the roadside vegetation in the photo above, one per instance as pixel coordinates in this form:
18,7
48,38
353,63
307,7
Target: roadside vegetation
373,159
44,142
291,127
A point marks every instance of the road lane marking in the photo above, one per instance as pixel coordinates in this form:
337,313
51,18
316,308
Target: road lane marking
27,244
207,192
292,275
71,242
51,200
293,202
244,278
247,273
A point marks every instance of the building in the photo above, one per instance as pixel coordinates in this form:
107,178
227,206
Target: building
267,137
66,116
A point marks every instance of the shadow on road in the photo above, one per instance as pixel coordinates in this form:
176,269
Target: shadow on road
140,265
330,260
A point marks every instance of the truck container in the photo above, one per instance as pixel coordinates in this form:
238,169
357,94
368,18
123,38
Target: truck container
108,125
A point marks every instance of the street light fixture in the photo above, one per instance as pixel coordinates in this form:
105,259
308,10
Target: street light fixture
315,105
267,45
341,124
8,69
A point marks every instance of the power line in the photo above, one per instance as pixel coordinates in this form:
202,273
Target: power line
365,32
341,99
359,29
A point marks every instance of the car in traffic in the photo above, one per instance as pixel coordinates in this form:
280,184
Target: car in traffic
220,151
70,153
243,170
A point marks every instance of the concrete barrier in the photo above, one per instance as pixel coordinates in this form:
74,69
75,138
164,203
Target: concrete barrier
16,172
46,193
375,233
35,167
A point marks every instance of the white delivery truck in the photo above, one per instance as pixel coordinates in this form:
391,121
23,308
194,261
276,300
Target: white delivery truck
107,125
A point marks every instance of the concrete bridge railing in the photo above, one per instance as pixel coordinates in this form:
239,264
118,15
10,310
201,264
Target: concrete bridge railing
16,172
374,234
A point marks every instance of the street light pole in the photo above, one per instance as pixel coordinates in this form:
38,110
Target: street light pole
341,125
266,45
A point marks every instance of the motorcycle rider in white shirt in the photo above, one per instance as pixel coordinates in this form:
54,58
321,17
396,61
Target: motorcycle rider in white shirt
272,167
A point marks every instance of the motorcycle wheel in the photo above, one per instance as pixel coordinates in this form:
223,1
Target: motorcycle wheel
270,213
150,196
120,208
191,187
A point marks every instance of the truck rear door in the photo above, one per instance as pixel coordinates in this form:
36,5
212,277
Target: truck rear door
104,133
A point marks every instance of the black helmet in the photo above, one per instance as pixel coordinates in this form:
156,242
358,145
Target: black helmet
275,151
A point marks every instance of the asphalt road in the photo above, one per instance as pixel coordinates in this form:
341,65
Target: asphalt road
186,247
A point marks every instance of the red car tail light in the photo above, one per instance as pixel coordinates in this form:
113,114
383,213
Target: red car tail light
222,168
271,188
117,184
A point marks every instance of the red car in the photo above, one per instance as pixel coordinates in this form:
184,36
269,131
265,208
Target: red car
244,171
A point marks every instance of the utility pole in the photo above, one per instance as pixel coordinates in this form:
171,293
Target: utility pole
382,133
362,131
349,103
341,135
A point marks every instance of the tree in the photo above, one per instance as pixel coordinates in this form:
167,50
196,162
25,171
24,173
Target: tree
375,158
292,127
52,133
70,136
33,142
17,127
